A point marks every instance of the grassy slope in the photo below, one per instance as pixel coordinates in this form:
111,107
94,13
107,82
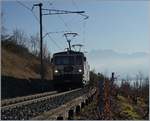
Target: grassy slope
19,66
122,109
127,110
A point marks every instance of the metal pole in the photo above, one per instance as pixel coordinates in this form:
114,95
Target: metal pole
41,41
50,12
69,44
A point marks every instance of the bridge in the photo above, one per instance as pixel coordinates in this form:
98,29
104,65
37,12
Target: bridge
47,106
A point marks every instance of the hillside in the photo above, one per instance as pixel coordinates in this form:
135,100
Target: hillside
21,66
20,72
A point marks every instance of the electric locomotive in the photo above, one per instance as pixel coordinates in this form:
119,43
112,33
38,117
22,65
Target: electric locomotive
71,69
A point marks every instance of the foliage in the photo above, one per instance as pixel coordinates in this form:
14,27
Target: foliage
95,77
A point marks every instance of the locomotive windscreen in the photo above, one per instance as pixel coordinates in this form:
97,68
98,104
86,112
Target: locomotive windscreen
79,60
64,60
68,60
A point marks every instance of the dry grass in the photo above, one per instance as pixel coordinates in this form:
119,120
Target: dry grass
127,109
122,109
15,65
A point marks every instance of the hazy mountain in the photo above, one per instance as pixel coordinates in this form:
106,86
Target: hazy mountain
122,63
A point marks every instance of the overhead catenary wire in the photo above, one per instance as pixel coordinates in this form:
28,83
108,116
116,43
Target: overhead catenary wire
63,21
31,10
76,6
55,12
84,21
54,33
59,16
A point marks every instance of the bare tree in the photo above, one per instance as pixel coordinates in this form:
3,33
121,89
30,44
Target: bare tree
145,88
125,87
139,80
4,35
45,51
141,77
19,37
34,44
49,56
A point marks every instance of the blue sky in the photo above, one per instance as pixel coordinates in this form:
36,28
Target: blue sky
117,25
122,26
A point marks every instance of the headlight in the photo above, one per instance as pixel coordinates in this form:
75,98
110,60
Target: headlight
56,71
80,70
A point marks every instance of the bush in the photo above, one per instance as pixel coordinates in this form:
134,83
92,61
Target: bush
14,47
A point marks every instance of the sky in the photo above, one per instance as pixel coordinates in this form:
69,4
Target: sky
120,26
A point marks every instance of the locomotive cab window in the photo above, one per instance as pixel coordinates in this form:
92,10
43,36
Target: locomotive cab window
79,60
64,60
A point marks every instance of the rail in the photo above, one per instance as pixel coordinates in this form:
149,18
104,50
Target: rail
31,108
7,102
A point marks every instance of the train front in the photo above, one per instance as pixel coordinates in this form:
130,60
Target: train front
68,69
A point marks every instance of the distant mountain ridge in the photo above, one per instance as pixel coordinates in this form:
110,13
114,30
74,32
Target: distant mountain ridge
111,53
129,63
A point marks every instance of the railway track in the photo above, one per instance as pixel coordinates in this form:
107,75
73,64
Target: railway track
11,101
31,107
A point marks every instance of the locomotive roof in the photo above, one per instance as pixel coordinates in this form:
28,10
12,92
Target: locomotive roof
69,52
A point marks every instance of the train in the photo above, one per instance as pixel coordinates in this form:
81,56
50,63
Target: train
70,69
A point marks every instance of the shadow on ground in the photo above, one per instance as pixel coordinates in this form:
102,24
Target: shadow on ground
13,87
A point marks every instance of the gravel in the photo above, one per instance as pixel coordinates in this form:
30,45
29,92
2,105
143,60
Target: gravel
30,110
